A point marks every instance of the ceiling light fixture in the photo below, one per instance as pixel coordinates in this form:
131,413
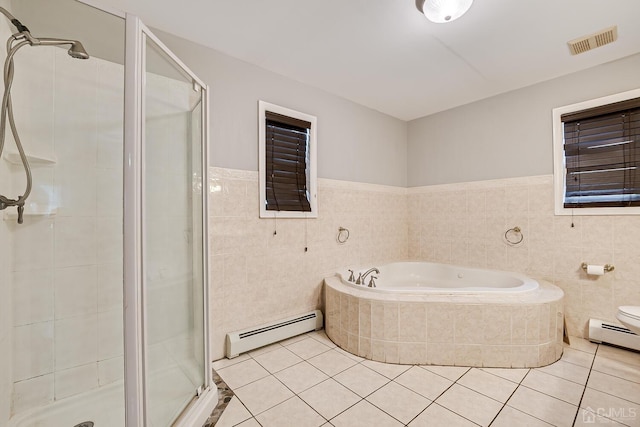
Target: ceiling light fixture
440,11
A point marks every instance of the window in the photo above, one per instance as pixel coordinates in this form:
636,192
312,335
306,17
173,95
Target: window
597,156
287,163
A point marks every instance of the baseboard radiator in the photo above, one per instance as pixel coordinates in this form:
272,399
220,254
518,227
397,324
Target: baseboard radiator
605,332
249,339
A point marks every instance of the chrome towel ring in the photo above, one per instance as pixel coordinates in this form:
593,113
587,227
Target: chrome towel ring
514,236
343,235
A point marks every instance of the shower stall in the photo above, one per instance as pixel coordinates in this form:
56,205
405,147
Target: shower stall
104,317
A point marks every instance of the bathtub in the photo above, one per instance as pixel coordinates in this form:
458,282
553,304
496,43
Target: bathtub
412,277
426,313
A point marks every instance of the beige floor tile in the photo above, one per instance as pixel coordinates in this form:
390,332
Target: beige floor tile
509,417
293,412
424,382
490,385
233,414
322,337
277,359
619,354
514,375
399,402
587,418
329,398
389,370
470,404
435,416
349,355
611,407
617,368
554,386
223,363
307,348
331,362
263,394
577,357
293,339
615,386
251,422
242,373
264,349
541,406
568,371
449,372
301,377
364,414
582,344
361,380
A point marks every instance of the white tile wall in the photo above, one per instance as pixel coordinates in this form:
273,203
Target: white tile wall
257,277
6,306
465,224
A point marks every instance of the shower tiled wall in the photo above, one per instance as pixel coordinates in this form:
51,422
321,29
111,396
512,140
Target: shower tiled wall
6,382
259,269
67,264
6,309
465,224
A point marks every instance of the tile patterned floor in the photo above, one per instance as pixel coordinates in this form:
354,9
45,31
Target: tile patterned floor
307,381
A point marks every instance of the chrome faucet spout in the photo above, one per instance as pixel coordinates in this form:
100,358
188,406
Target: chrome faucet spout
375,270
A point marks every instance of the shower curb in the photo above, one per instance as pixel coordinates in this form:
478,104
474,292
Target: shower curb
225,394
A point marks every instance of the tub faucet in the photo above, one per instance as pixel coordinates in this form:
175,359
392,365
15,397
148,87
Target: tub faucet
372,283
364,276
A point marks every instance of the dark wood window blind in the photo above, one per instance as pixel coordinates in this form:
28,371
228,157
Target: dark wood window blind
602,156
287,152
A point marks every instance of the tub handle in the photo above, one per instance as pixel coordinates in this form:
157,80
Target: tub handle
372,283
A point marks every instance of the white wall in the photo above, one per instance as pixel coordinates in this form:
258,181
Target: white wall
508,135
355,143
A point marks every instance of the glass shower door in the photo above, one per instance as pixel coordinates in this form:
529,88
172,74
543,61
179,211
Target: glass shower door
172,243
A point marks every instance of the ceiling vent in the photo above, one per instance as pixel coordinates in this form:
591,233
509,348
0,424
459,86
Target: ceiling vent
583,44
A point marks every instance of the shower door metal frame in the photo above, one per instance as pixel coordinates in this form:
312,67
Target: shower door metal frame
134,229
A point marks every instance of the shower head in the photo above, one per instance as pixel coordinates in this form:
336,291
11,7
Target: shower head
77,51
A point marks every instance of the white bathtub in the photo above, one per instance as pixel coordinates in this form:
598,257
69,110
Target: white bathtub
426,313
412,277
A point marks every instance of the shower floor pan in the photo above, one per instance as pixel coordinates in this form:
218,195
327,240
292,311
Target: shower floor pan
103,406
171,389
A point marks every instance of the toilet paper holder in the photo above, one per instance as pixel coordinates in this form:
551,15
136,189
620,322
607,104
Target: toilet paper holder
607,267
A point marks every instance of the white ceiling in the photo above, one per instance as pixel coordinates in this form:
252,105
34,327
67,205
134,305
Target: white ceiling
387,56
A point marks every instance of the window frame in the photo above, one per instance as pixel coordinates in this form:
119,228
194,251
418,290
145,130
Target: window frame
559,169
263,107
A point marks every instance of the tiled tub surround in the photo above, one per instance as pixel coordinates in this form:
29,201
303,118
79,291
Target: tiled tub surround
258,277
465,223
521,330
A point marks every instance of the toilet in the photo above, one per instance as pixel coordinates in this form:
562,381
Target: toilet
629,316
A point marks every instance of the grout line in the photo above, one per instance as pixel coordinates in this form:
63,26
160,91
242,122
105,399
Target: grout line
593,361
